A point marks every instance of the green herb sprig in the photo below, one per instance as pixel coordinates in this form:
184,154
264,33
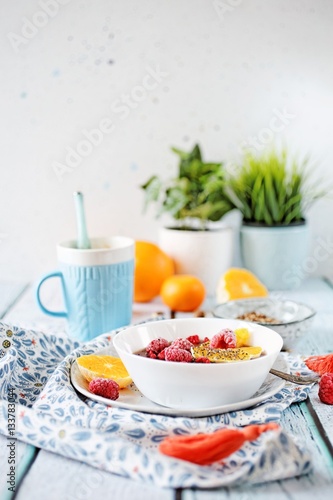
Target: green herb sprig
197,194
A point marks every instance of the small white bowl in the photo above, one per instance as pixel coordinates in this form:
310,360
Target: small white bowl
294,318
195,385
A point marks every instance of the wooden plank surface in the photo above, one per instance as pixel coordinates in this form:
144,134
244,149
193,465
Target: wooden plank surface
297,420
53,477
319,339
9,294
319,483
26,313
57,477
18,451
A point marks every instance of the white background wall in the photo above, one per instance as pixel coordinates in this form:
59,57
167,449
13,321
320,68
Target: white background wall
226,69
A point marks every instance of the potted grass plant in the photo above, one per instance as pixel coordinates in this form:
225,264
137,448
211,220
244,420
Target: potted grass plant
195,200
273,193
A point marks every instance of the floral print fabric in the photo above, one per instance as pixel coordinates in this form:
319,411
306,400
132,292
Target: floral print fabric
35,369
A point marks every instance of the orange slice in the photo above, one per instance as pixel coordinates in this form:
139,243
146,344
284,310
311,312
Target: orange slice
94,366
237,283
226,355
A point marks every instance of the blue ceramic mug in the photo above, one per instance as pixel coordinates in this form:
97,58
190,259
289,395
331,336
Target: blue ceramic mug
97,285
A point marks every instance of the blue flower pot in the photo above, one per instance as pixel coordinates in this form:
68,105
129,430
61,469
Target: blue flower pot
276,254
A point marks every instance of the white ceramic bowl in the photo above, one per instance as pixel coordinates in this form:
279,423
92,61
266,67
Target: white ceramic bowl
194,385
294,318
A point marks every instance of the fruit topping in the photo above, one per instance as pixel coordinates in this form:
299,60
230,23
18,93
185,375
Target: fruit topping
226,355
104,387
242,337
182,344
161,355
224,347
176,354
326,388
194,339
156,346
225,339
202,360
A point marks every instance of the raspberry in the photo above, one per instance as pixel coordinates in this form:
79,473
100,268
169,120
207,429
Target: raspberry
104,387
225,339
161,355
194,339
320,364
202,360
176,354
182,344
326,388
152,355
206,339
156,346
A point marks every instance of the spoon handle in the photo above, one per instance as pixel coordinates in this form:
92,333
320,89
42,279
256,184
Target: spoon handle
83,241
295,379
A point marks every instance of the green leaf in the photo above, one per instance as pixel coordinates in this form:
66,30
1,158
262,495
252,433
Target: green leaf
272,204
268,218
259,211
256,191
152,190
271,187
175,200
196,153
182,154
150,181
268,187
293,202
292,216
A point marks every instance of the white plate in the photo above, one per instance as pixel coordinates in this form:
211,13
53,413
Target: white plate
132,399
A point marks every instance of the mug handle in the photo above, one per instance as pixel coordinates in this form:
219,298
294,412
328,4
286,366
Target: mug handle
58,314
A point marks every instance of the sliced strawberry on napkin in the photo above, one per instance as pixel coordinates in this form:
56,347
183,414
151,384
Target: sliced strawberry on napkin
323,365
205,449
320,364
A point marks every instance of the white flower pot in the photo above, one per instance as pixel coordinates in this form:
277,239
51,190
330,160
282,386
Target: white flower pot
205,254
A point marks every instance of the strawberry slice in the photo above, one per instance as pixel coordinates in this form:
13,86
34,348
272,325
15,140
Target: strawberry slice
320,364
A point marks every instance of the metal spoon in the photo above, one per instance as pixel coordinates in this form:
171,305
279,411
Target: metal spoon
295,379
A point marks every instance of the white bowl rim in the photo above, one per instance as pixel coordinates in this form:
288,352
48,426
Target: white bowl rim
180,320
312,312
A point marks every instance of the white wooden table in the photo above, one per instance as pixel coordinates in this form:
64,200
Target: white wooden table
49,476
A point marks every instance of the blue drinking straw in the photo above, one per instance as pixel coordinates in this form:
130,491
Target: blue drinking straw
83,241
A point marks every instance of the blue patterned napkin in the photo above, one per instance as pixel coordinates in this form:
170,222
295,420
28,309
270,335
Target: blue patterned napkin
35,370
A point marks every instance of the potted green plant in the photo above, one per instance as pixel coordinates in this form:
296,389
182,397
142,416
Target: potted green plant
273,192
196,200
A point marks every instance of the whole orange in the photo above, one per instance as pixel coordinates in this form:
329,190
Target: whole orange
152,267
183,292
